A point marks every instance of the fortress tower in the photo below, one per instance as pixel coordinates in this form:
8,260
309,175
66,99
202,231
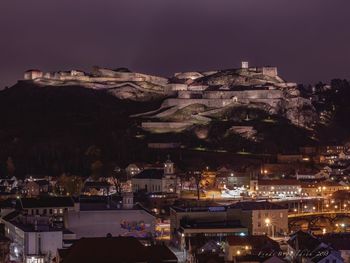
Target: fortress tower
244,65
33,74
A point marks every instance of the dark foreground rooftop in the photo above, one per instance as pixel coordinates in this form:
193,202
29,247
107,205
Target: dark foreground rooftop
115,249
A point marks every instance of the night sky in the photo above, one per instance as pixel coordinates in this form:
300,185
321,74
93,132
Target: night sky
309,40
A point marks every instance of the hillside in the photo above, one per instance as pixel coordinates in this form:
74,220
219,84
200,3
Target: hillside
49,130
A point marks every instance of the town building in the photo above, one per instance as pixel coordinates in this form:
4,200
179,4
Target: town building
210,221
156,180
46,206
304,247
237,248
33,240
218,222
34,188
321,188
261,218
97,218
340,242
132,169
276,188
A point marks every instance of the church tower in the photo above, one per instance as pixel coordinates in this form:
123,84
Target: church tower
254,187
169,167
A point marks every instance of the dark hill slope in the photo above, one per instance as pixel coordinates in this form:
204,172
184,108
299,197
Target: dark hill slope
48,129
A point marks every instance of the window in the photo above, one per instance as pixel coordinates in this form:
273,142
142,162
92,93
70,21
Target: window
45,211
50,211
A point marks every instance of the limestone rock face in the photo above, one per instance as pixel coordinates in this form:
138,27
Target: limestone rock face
300,112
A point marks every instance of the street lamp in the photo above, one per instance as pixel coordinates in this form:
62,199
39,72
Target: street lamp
305,207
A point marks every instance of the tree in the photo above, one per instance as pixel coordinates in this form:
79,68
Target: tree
10,166
96,169
70,184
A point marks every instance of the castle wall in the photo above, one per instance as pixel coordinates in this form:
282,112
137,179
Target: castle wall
161,127
246,94
176,87
33,74
218,103
188,75
130,76
213,103
270,71
189,94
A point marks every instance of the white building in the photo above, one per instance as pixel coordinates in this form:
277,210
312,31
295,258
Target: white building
277,188
261,218
98,220
156,180
32,243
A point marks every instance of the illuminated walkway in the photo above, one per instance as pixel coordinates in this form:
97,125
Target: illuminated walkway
294,215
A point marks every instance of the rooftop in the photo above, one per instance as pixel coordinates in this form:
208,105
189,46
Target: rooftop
150,174
200,209
216,225
258,244
251,205
303,240
25,203
116,249
279,182
339,241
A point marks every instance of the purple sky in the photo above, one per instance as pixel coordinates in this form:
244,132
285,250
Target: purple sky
309,40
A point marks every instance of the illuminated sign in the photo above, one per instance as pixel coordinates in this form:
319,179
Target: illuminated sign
217,209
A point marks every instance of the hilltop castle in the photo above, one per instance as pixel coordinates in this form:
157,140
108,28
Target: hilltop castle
215,90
